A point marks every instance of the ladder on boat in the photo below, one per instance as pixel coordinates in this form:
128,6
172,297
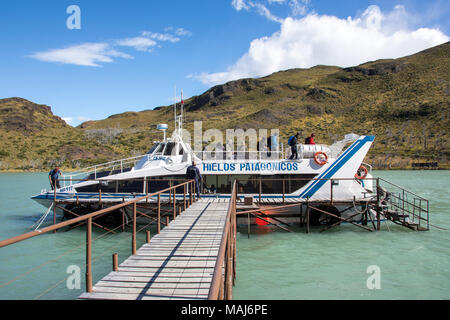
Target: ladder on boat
403,207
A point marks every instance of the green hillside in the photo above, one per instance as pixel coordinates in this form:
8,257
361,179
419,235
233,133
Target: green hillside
404,102
32,138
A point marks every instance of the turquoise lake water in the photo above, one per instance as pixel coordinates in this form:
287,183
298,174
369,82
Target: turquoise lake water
271,264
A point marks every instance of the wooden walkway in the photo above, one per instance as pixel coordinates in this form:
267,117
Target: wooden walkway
178,263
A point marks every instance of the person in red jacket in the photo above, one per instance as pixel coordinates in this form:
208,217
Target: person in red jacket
310,139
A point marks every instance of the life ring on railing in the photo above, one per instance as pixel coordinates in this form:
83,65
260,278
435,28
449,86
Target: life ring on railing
361,173
320,158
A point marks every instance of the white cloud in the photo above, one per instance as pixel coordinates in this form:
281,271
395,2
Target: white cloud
87,54
161,36
183,32
260,8
298,7
321,39
97,53
138,43
239,5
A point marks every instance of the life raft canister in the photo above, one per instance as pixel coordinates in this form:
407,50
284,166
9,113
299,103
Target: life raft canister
320,158
361,173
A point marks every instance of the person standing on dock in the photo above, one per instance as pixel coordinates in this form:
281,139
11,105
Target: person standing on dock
53,176
193,172
293,143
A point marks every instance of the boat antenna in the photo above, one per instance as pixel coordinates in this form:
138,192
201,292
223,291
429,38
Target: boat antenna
182,106
175,106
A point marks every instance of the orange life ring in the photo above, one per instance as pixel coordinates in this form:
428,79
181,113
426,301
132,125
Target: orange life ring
363,174
322,161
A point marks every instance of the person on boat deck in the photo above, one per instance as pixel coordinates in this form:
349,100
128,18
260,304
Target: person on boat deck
53,177
193,172
293,143
310,139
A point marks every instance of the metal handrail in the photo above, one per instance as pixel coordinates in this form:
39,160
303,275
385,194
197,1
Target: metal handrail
397,186
89,217
220,286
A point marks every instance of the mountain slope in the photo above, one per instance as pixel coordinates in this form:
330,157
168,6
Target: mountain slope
404,102
31,137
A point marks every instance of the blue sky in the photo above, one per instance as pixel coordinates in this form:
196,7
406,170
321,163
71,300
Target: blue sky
129,55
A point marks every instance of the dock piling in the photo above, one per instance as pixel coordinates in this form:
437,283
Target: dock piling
115,261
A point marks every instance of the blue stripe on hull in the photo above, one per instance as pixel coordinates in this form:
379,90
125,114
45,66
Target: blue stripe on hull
338,164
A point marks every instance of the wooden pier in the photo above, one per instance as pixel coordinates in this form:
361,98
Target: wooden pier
178,263
194,255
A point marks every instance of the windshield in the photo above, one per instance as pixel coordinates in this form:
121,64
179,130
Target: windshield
152,148
160,148
169,148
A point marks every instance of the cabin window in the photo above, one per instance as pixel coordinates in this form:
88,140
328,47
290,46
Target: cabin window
181,152
160,148
106,187
129,186
155,184
169,148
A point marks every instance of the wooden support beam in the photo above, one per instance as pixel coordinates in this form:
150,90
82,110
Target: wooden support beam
342,219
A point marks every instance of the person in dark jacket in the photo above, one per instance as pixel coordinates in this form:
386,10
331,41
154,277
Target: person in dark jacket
53,177
293,143
193,172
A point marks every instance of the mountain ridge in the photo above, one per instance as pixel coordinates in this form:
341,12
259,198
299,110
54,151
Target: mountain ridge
404,102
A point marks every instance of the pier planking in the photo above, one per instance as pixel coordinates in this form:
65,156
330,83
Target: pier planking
178,263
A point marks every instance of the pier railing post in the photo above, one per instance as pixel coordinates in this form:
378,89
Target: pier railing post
133,241
89,255
170,192
378,205
54,204
331,191
158,227
184,196
233,217
148,236
308,212
260,189
174,202
100,194
123,216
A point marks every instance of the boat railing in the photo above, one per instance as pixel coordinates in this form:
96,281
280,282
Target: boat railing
264,155
238,155
116,165
368,166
